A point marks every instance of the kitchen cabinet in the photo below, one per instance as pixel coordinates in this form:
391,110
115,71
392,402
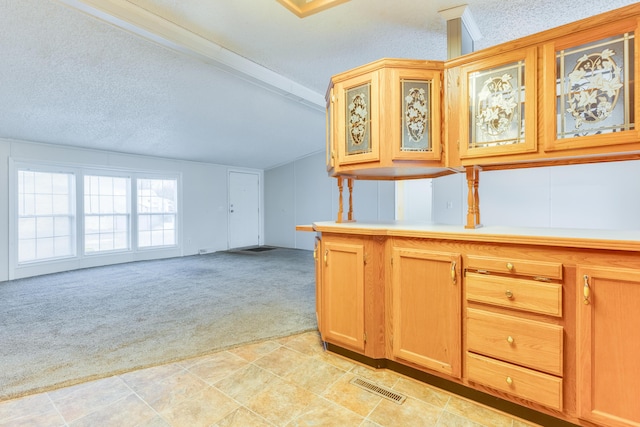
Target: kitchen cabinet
499,96
512,351
342,292
607,345
384,120
589,90
350,288
426,291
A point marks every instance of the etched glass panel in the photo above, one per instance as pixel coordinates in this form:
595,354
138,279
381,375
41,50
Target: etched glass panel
497,106
416,129
358,120
593,90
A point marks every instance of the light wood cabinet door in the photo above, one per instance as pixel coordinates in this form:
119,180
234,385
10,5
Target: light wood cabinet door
608,347
426,298
342,293
318,270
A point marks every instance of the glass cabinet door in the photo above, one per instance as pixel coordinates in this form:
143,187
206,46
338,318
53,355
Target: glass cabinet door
499,97
415,114
358,135
592,100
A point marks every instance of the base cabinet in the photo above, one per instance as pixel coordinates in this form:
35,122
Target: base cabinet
550,328
608,345
426,294
342,292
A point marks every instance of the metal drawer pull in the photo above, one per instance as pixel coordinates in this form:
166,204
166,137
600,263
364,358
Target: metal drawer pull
509,380
510,339
509,294
509,266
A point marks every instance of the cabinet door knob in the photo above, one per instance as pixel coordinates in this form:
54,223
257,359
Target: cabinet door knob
509,380
508,294
509,266
510,339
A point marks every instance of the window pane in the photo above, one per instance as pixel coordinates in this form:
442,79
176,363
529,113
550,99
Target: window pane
60,183
106,242
169,237
107,196
120,186
144,222
157,208
44,227
121,240
106,204
62,246
91,243
106,224
43,183
45,218
120,204
26,250
28,205
60,204
144,239
26,228
44,248
44,204
61,226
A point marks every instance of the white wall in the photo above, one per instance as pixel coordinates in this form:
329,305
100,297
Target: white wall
301,193
591,196
203,201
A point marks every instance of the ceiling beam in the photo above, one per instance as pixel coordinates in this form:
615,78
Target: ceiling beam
139,21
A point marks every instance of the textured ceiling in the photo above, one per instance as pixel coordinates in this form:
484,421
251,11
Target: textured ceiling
71,78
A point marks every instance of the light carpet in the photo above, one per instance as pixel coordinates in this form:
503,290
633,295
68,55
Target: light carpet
64,328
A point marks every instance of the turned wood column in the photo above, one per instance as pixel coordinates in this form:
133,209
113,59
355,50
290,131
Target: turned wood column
473,197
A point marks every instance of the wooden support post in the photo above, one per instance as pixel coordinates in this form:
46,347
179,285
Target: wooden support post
350,214
473,197
339,219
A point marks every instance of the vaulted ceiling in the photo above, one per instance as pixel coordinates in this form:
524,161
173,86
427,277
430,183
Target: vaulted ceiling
233,82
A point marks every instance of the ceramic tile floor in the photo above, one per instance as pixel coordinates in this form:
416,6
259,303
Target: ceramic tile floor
285,382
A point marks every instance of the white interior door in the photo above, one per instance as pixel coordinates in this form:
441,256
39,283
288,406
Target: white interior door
244,209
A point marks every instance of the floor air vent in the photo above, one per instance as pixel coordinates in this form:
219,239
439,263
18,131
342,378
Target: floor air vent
379,390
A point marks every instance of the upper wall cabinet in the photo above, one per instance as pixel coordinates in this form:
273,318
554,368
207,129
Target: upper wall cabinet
384,120
589,88
498,105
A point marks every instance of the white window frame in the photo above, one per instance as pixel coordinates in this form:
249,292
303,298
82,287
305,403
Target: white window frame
80,259
177,221
14,217
82,211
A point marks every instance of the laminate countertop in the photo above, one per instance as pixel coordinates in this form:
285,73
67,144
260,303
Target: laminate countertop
626,240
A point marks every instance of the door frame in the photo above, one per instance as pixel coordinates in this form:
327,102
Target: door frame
260,175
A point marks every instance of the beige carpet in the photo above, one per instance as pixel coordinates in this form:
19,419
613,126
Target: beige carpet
64,328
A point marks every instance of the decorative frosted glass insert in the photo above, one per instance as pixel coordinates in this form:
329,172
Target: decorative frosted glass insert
497,97
593,90
415,116
358,120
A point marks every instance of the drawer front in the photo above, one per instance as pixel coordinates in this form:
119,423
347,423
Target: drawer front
525,342
521,294
522,382
525,267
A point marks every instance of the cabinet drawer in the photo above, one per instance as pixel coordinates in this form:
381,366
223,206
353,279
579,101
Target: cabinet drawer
521,294
525,342
522,382
525,267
